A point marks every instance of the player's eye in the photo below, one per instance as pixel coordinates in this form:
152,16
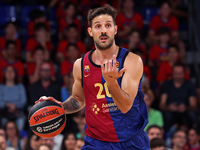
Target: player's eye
108,25
97,26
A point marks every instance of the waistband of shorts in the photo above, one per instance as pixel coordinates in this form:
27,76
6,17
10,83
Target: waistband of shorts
135,136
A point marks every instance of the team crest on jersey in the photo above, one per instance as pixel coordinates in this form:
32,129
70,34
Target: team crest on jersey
87,68
117,65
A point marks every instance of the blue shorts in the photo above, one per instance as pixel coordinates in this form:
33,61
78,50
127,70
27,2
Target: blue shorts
139,142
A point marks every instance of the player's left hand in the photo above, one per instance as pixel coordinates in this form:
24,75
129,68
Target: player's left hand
109,70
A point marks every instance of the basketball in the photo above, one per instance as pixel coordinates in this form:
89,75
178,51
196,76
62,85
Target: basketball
47,119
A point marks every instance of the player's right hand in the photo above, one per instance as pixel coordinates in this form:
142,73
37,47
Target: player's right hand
48,99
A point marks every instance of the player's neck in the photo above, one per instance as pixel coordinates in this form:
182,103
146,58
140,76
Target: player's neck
106,54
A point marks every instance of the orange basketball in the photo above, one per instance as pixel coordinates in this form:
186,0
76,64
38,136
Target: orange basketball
47,119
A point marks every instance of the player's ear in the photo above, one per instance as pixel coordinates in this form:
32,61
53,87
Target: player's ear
90,31
116,27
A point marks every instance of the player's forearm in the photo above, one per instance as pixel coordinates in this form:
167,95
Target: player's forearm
72,105
121,98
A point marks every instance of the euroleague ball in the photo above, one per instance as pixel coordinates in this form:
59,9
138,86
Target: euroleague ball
47,119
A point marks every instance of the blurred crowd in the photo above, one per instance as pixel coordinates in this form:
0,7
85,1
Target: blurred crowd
36,59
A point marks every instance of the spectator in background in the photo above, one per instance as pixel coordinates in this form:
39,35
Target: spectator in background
157,144
158,52
45,85
48,142
193,139
33,142
37,16
135,42
72,37
69,142
146,70
58,140
12,99
41,39
155,116
44,147
60,12
128,20
33,68
178,9
79,144
10,35
81,127
179,140
154,131
165,69
13,137
3,144
66,90
66,67
146,77
70,18
11,60
2,132
164,19
178,99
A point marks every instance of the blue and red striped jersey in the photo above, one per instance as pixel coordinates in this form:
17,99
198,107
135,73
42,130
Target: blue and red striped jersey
104,120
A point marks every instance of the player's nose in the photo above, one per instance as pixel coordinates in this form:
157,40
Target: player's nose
103,29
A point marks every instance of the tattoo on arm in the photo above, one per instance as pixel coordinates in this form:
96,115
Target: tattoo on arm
71,105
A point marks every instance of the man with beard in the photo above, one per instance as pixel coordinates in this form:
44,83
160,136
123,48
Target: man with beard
107,83
45,86
178,99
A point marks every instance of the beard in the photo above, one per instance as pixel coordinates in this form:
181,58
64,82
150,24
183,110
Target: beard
103,46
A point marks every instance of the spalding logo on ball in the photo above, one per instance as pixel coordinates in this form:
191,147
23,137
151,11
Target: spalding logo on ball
47,118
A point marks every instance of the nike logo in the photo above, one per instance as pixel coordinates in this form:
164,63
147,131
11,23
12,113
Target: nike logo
86,75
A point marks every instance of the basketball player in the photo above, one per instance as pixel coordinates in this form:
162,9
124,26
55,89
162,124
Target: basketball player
107,83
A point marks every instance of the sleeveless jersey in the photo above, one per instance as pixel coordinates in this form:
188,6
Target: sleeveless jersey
104,120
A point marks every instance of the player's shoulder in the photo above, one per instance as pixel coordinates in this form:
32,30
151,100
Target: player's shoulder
77,69
77,63
133,62
131,57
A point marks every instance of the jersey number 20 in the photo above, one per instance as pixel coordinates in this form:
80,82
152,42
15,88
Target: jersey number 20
99,94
